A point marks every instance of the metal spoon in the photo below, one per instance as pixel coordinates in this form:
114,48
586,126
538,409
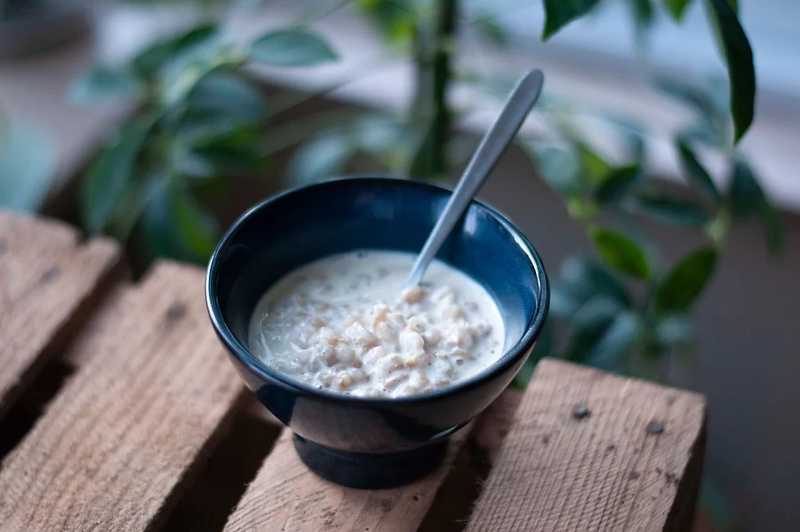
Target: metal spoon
482,163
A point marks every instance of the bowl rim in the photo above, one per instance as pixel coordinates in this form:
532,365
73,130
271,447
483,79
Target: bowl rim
254,365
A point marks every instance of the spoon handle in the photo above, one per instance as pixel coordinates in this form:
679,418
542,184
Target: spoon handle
483,161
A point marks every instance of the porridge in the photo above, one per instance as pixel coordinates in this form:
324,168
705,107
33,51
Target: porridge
345,323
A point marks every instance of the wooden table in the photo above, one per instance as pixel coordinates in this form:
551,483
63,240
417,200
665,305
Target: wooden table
119,411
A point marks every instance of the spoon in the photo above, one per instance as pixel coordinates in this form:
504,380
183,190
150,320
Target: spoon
480,166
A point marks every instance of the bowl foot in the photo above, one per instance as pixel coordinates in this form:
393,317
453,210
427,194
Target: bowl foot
368,470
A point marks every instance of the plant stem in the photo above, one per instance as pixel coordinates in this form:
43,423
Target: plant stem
434,44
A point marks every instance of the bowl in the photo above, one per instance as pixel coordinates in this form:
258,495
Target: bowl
372,442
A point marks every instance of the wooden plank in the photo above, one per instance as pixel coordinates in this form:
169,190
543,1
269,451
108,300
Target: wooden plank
286,495
593,451
47,282
492,427
131,428
454,501
211,498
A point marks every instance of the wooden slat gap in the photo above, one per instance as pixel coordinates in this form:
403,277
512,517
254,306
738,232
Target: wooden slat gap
49,372
31,404
48,284
134,426
212,493
456,497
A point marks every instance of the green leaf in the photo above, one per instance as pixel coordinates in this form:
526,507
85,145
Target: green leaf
102,83
712,124
490,29
670,210
149,61
218,134
110,175
702,131
774,228
559,13
27,166
175,225
690,94
239,151
697,174
559,167
595,313
746,193
674,330
748,198
135,199
739,59
196,229
616,340
617,183
292,48
677,8
620,252
386,139
594,166
581,278
182,74
396,21
582,208
225,96
631,134
320,158
643,14
579,281
686,281
588,324
561,304
378,134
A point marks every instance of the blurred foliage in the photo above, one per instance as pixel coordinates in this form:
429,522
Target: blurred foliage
27,165
626,308
201,120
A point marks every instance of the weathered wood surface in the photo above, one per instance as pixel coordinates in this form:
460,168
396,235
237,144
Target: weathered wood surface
285,495
115,447
150,430
593,451
47,279
453,502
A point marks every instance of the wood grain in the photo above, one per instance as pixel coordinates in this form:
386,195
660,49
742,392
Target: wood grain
492,427
47,283
131,428
600,469
285,495
456,497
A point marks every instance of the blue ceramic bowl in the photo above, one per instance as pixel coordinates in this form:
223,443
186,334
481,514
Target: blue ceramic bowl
361,441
